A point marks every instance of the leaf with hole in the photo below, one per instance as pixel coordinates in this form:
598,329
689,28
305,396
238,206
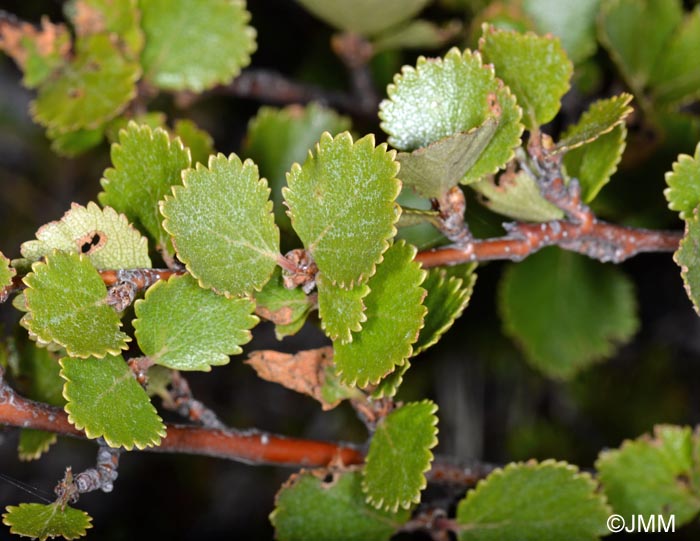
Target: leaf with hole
516,195
105,400
277,138
105,237
146,163
548,501
195,49
395,314
600,118
66,299
308,508
594,163
286,308
535,68
342,311
366,17
433,170
37,51
342,205
621,23
651,475
184,327
566,311
399,455
222,225
447,96
118,18
447,298
93,88
687,257
42,521
683,192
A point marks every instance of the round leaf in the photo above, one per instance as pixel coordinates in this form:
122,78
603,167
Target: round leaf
399,455
95,87
446,96
195,48
146,164
105,400
34,443
341,310
651,475
367,17
566,310
683,192
222,225
184,327
66,299
105,237
309,509
46,521
535,68
286,308
549,501
394,318
341,202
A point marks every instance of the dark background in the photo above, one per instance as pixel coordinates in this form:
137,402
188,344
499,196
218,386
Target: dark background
493,406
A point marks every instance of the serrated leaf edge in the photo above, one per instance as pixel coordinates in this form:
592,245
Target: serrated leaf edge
379,504
669,177
10,508
684,268
28,457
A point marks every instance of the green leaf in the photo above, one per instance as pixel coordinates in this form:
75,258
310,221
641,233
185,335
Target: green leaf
277,138
341,202
105,400
46,521
417,34
184,327
621,24
450,95
651,475
309,372
286,308
118,18
535,68
222,225
434,169
34,443
687,257
683,192
38,52
105,237
517,195
146,164
195,49
152,119
366,17
399,455
447,298
394,318
66,299
572,21
95,87
548,501
389,386
74,143
6,271
341,310
567,311
594,163
199,142
600,118
676,77
309,509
